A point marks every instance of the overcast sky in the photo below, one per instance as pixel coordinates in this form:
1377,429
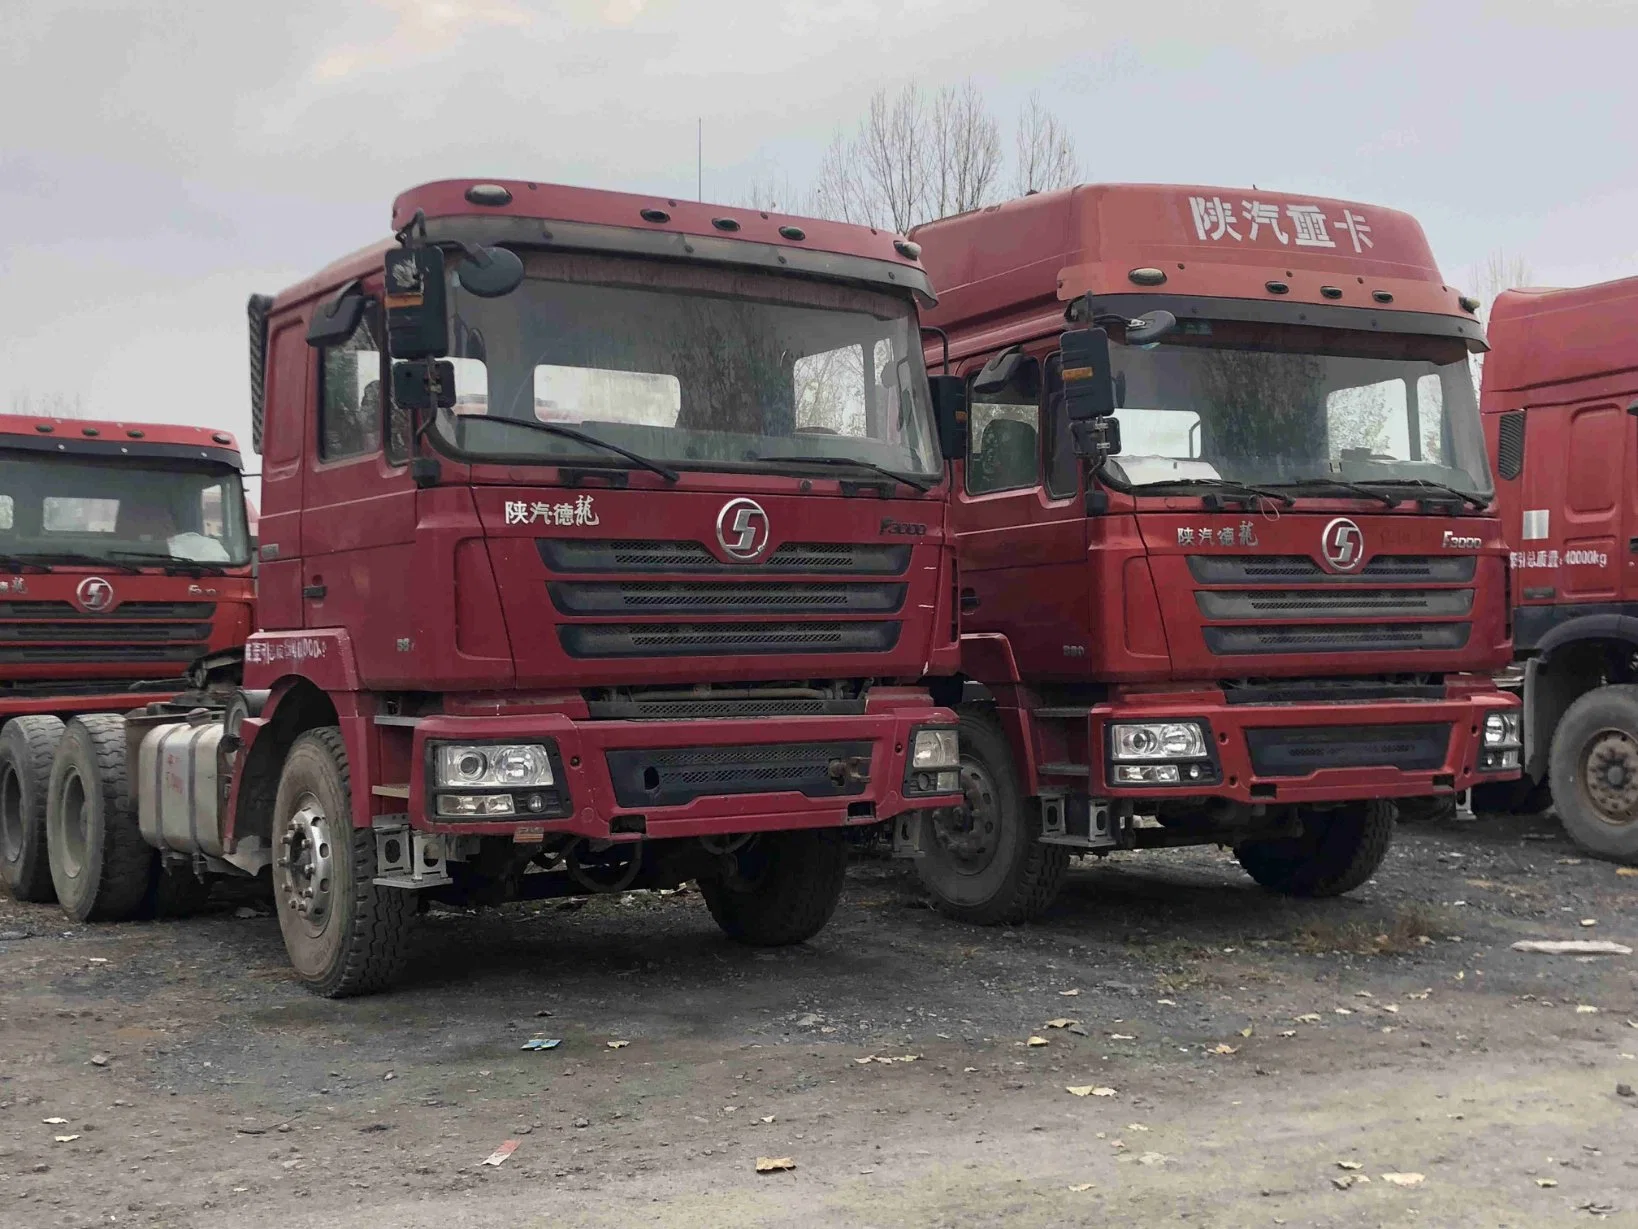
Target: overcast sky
162,159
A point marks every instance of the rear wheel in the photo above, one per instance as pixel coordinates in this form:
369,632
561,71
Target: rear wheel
99,862
27,746
1593,769
1337,851
343,934
783,889
983,862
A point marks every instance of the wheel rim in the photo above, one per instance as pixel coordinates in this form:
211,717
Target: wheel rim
76,825
1609,776
11,814
305,867
971,833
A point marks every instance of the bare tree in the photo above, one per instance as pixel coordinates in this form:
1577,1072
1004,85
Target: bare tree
773,193
966,151
48,405
1044,151
895,146
1498,271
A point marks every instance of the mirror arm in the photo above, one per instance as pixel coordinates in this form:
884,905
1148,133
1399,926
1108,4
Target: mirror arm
943,337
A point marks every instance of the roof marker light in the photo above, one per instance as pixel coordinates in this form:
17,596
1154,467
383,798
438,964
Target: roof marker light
1276,288
89,431
794,233
1147,276
907,248
655,215
492,194
44,428
1331,292
134,433
727,224
1382,296
1469,304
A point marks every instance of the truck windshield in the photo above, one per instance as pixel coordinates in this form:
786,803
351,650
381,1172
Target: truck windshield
691,367
1295,405
120,509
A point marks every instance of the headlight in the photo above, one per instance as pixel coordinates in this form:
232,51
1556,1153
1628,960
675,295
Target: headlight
932,750
1172,740
1501,730
485,767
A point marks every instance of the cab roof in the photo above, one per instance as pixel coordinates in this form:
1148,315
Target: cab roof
1547,336
1181,240
98,436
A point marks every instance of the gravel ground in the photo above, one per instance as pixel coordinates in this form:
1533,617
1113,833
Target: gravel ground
1251,1060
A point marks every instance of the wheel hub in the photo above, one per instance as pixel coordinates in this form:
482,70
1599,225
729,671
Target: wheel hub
1610,770
305,864
11,815
969,832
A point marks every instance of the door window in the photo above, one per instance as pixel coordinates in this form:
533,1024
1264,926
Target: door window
1004,435
350,394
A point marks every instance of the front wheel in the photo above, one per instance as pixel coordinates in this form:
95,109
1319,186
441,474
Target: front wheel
344,935
1337,851
1593,770
783,888
27,746
983,862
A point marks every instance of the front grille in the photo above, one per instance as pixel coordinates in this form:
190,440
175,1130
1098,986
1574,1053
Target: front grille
103,633
113,654
674,776
160,633
1338,604
598,555
1330,691
1301,570
731,597
1297,751
721,706
717,639
1336,638
17,689
58,611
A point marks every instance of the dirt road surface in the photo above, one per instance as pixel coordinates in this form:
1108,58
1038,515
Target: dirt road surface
1271,1062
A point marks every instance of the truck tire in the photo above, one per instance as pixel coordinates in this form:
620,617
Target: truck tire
99,862
1338,851
984,863
1440,808
1593,770
344,935
27,745
1521,797
789,885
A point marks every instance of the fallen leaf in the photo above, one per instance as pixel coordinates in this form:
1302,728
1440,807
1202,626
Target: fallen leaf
1546,1181
1245,1032
65,1139
1103,1092
1404,1179
1121,1037
1079,1090
1222,1048
99,960
542,1043
1288,1032
500,1154
1344,1181
1069,994
1136,1126
1036,1041
969,1070
100,1060
1627,872
867,1059
1589,921
774,1164
1571,947
1343,1011
1153,1158
1349,1165
1391,1007
767,1118
1422,994
55,1122
1308,1017
618,1045
1061,1022
1584,1009
1082,1186
1166,1002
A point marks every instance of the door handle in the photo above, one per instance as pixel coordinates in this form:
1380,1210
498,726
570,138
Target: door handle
969,600
314,592
1632,545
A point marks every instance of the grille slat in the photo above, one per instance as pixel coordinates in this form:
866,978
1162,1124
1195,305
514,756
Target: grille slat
146,654
1297,751
58,611
1378,603
115,632
715,639
674,776
1336,638
732,597
620,555
1301,570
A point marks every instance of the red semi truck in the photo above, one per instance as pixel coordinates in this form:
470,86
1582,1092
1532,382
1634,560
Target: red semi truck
1559,399
1230,571
124,561
602,546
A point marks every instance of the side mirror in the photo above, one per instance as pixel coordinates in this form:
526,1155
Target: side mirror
1096,438
489,273
1000,372
1150,327
1089,390
335,321
424,384
417,318
949,396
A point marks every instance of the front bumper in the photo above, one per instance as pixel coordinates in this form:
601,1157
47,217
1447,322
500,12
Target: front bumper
624,780
1314,752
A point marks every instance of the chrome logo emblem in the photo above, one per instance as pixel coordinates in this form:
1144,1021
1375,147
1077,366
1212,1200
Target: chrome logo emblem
94,595
742,528
1343,545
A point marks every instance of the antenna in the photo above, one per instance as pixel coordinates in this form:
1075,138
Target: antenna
699,159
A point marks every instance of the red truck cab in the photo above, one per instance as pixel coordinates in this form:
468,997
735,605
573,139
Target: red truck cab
1559,399
1230,571
124,558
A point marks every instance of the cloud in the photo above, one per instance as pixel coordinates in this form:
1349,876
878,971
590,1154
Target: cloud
422,29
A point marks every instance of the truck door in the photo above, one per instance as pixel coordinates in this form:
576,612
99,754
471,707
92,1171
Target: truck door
359,509
1020,525
279,573
1592,550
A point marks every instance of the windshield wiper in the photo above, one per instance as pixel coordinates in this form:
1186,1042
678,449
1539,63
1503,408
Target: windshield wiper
49,559
1245,489
919,485
172,564
1467,497
569,433
1342,484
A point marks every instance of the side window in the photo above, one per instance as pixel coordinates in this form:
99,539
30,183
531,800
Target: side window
1004,435
349,422
1063,476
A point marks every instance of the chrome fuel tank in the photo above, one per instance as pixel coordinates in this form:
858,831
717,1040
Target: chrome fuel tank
179,787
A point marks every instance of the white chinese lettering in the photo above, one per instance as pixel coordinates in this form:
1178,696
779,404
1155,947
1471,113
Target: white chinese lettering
1213,217
1309,224
1354,224
1225,537
1259,213
1185,537
517,513
1204,535
1248,534
583,514
562,514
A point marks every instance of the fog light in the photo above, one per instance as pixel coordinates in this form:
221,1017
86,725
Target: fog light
474,806
1499,759
1146,774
